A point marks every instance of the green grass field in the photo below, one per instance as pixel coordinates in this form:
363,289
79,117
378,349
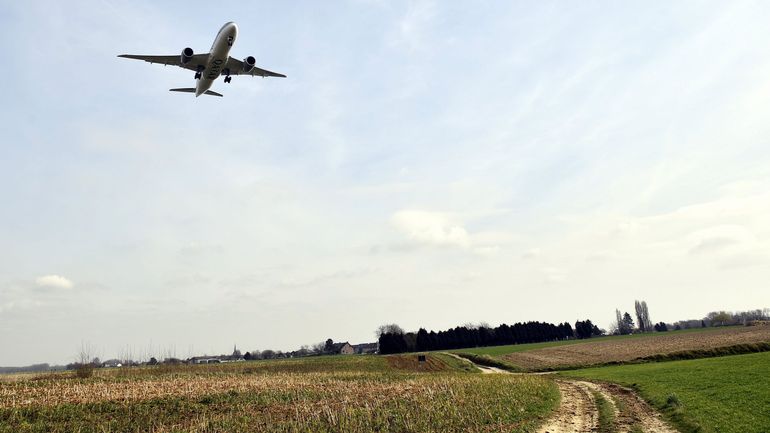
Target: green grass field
321,394
729,394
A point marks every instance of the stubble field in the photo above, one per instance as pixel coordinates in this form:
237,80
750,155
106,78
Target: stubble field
328,394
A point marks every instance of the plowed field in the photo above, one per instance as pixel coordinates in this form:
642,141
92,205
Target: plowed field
618,350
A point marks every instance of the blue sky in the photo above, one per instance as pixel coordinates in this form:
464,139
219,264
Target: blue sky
426,163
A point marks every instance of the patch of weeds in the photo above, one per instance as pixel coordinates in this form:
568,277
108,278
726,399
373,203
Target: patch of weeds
672,401
606,413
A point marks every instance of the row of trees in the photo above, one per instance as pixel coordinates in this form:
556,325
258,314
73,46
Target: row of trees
321,348
624,323
87,360
393,339
726,318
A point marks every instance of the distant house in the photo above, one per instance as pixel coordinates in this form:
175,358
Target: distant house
365,348
342,349
112,363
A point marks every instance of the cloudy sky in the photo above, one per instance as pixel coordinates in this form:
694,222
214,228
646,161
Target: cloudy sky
427,163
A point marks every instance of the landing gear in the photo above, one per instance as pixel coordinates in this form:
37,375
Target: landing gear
198,72
228,78
197,75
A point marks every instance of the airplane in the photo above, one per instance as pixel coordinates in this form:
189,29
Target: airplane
208,67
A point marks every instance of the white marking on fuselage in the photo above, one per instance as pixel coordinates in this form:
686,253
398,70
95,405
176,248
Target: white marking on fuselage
218,55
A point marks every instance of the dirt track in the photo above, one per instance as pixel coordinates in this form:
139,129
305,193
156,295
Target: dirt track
484,369
577,411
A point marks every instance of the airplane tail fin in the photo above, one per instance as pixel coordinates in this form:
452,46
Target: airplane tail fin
192,90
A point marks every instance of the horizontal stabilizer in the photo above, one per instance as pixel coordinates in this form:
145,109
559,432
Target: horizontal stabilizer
192,90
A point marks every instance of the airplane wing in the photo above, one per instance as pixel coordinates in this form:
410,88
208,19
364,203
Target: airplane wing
236,68
175,60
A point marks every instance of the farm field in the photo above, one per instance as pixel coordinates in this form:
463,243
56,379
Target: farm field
324,394
726,394
618,349
514,348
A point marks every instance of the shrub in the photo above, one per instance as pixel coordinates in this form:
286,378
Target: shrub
84,371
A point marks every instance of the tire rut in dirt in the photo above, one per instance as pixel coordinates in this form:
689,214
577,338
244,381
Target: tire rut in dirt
635,411
577,411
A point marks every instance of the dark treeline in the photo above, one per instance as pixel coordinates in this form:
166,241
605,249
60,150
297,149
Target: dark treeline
462,336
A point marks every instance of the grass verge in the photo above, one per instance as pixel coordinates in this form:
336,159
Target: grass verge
606,413
456,364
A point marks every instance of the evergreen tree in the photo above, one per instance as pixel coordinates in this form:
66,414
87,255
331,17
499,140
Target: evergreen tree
628,323
423,340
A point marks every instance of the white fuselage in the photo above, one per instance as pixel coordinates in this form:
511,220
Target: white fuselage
218,55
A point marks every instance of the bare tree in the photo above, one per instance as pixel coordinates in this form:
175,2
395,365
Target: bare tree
318,348
619,325
643,316
85,361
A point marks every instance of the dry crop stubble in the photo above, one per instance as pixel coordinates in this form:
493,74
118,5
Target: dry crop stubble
262,396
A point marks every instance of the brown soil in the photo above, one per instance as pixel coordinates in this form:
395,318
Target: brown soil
577,411
618,350
410,363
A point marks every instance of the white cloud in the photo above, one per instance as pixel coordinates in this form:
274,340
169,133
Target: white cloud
54,282
431,228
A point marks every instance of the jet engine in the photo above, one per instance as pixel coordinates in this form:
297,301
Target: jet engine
248,63
187,55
